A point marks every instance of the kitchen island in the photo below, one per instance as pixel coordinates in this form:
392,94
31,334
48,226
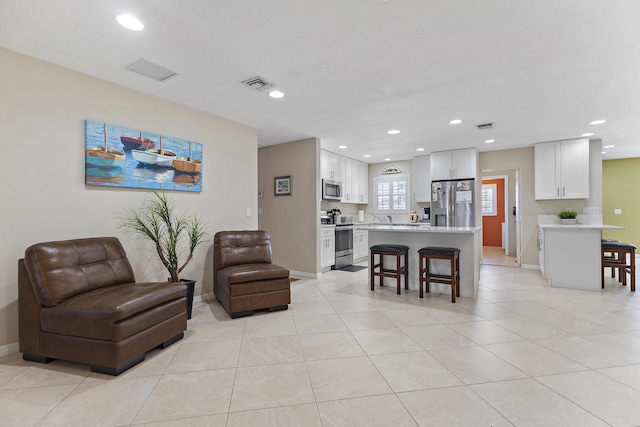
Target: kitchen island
417,236
570,255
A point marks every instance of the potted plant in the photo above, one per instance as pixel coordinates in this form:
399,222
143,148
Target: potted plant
568,216
175,236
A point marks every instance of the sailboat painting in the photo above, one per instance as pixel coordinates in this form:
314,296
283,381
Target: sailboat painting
117,156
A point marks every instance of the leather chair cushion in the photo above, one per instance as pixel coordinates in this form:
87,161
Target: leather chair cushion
60,270
115,312
251,273
242,247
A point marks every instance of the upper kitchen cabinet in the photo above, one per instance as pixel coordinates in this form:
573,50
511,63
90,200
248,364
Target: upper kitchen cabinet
454,164
562,169
330,166
363,172
353,174
346,168
421,178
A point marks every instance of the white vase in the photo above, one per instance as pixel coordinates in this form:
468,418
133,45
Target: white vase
568,221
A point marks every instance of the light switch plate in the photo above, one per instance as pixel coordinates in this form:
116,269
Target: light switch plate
617,211
247,211
592,210
260,211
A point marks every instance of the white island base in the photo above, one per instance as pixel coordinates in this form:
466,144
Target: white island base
415,237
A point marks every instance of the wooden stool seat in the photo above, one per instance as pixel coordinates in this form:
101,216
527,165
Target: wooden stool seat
382,250
622,257
426,277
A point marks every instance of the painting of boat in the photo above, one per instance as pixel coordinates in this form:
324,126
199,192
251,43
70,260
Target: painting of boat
118,156
187,164
155,156
104,156
130,143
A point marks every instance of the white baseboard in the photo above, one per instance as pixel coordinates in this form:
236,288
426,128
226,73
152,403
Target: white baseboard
305,274
8,349
531,266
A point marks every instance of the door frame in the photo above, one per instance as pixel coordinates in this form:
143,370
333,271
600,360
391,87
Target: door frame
487,174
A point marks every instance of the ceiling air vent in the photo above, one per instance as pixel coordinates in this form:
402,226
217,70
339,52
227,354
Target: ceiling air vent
151,70
486,126
258,83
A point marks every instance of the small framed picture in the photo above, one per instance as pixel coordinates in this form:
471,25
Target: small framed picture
282,186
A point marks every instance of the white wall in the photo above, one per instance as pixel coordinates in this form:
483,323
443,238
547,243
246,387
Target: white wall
42,113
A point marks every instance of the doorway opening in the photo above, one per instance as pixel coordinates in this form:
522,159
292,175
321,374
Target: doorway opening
500,213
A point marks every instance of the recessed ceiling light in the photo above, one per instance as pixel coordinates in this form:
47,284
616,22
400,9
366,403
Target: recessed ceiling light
130,22
276,94
588,134
342,147
393,132
420,149
598,122
455,122
489,141
387,159
367,155
608,146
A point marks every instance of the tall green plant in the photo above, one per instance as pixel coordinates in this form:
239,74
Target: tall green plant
176,236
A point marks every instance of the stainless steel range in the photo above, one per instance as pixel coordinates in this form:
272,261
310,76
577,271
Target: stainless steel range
344,246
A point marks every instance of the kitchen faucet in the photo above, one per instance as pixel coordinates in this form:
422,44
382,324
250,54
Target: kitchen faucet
390,218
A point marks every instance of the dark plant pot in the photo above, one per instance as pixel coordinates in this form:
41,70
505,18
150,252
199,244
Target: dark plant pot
191,284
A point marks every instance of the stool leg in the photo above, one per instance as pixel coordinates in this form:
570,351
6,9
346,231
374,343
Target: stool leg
633,270
398,274
371,267
602,269
453,279
381,259
421,278
406,271
458,275
427,274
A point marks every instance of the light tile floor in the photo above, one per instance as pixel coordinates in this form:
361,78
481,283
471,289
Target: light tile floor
521,354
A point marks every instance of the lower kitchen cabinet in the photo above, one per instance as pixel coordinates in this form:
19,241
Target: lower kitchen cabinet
360,244
327,246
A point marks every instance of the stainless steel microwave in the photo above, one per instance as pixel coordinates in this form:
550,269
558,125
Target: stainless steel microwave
331,190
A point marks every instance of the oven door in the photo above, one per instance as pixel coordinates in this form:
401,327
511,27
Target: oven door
344,247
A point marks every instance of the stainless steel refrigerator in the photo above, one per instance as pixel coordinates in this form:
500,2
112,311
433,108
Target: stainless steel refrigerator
453,203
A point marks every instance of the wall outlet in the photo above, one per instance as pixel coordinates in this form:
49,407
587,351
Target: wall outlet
617,211
592,210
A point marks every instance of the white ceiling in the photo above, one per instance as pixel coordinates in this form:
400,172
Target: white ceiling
353,69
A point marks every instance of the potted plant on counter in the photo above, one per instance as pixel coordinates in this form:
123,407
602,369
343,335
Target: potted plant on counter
568,216
175,236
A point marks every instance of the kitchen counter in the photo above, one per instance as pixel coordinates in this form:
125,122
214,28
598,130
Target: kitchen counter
569,227
417,236
570,255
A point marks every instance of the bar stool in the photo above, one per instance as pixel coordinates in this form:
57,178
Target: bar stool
383,250
610,255
614,256
452,279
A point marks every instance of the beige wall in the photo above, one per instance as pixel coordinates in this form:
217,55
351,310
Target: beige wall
293,222
42,113
620,179
523,159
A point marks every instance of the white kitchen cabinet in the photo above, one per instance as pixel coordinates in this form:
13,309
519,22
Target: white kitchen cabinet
330,165
346,168
454,164
327,246
360,244
421,178
541,256
562,169
363,172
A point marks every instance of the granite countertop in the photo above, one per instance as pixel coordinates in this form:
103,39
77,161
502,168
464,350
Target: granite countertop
418,228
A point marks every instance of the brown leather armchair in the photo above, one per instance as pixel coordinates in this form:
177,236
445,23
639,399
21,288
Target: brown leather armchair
78,301
244,277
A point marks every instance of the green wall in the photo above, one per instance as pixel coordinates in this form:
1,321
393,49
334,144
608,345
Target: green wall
620,180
